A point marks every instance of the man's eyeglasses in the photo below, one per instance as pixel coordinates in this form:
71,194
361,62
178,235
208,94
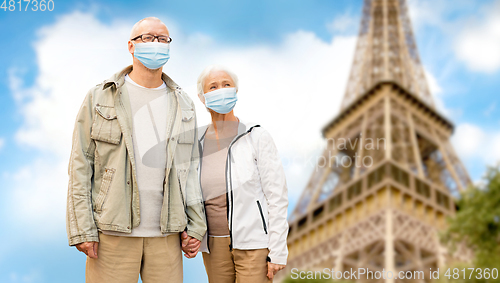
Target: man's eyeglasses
151,38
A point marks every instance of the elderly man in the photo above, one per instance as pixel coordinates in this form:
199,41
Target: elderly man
133,181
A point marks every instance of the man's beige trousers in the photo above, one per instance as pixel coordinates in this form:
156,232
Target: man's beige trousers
240,266
122,259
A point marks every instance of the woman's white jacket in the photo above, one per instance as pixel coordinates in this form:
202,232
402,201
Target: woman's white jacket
256,192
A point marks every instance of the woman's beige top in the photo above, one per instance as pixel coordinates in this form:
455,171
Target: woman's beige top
213,179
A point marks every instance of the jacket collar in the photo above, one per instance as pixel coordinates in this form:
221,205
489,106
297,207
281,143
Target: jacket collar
118,79
243,126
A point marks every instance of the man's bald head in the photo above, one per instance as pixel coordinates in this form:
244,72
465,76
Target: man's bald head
151,25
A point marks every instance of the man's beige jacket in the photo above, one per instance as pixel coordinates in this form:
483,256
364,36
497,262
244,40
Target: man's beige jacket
102,191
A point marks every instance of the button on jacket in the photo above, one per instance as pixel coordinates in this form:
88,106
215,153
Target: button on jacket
102,191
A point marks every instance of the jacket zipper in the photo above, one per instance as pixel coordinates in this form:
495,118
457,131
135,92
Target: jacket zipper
228,161
262,216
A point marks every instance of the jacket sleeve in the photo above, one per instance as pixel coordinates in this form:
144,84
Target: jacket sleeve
272,177
80,223
195,209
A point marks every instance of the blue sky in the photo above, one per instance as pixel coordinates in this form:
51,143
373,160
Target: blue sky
290,55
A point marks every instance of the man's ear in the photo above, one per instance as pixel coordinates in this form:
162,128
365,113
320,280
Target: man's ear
131,47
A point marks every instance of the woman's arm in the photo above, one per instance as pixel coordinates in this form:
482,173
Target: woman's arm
273,183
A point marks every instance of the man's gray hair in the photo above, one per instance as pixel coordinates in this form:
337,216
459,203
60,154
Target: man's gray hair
133,33
214,68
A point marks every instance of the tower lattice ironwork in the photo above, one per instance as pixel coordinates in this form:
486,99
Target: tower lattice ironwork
388,176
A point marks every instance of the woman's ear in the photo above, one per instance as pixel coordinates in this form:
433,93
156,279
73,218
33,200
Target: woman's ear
202,98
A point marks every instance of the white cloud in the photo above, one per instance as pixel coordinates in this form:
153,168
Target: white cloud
472,142
478,43
345,23
436,92
74,54
292,89
2,143
420,13
434,86
473,40
428,12
439,13
438,96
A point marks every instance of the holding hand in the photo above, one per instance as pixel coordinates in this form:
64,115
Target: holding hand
189,245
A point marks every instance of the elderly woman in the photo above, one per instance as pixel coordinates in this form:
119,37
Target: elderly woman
244,190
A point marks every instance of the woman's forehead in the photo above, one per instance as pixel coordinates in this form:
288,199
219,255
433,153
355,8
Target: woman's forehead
218,76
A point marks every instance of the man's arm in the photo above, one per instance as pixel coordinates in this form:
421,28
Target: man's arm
80,223
195,210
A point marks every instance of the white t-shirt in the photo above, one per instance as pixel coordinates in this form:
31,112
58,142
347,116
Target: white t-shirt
149,108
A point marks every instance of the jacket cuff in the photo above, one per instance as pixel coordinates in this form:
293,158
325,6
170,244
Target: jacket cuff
277,260
75,240
195,235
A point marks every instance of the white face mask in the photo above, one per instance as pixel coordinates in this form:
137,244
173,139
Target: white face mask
221,100
152,55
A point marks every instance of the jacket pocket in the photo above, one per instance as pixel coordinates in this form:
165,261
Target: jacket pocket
105,126
105,185
187,126
262,216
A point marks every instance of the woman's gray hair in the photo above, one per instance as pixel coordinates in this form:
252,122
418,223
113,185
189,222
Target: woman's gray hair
214,68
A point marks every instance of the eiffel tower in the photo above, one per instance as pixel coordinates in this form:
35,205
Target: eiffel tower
388,176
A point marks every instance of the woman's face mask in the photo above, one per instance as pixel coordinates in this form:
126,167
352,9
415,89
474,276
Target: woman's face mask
221,100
